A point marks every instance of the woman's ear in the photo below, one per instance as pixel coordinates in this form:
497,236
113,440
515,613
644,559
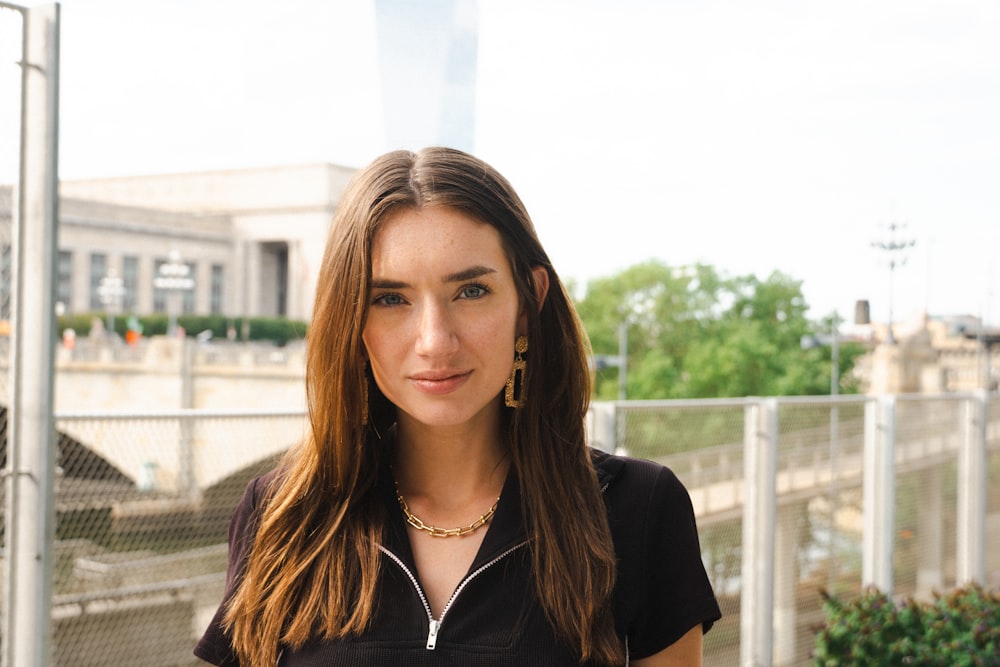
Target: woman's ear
540,279
541,276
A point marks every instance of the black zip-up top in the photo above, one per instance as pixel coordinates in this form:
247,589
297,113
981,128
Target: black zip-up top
494,619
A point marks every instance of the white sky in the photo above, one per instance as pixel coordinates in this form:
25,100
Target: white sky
753,136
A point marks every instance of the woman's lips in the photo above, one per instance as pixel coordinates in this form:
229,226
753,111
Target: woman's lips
438,384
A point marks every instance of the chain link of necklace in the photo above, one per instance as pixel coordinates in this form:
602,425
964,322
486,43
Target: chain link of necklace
434,531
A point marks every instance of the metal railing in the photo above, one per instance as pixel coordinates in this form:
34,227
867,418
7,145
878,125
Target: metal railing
792,496
798,495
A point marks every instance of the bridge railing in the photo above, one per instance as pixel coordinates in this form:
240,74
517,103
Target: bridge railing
792,495
798,495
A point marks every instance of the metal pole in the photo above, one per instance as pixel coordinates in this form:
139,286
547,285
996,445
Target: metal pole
879,491
834,445
620,415
31,442
622,360
187,480
970,559
759,520
890,336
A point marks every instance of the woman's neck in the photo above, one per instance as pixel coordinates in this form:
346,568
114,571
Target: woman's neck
449,466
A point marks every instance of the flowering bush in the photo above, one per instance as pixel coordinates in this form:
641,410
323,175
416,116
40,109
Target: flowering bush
958,629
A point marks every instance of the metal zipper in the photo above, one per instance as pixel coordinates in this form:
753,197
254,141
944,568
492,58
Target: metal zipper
434,625
432,632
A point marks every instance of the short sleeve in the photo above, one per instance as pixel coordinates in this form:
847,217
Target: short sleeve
663,580
215,646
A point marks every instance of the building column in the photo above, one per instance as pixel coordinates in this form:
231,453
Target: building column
80,282
295,297
251,278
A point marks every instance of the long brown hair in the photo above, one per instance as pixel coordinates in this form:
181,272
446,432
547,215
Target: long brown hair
314,563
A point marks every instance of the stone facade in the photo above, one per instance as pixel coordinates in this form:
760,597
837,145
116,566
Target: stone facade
930,356
253,238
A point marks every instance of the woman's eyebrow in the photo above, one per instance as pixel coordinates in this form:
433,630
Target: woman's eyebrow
382,283
456,277
468,274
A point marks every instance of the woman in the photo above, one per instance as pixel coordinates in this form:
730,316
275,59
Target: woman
445,509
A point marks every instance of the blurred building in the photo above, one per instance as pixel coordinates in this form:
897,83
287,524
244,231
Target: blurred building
252,239
931,355
428,60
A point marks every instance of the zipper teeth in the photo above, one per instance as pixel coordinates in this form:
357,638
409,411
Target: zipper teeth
413,579
475,574
420,592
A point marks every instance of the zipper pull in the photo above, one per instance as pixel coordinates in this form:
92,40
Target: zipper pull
432,634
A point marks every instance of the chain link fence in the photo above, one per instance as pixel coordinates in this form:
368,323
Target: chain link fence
140,558
817,536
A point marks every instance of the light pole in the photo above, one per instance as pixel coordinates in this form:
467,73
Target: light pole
111,291
623,359
602,361
894,248
173,277
620,361
29,473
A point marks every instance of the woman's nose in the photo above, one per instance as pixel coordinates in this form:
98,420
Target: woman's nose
437,332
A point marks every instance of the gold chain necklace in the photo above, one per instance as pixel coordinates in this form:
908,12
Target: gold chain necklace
434,531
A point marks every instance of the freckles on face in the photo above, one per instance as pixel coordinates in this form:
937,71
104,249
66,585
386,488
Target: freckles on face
443,315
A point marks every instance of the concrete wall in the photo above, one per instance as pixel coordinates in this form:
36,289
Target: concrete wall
167,374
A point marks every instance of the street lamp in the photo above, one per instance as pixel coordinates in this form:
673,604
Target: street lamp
173,277
895,249
111,292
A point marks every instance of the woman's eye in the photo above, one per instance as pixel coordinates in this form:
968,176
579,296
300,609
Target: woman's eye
474,291
387,300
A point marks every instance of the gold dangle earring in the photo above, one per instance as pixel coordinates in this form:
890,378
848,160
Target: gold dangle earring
514,392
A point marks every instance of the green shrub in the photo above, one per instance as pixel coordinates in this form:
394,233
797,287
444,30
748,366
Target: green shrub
276,329
957,629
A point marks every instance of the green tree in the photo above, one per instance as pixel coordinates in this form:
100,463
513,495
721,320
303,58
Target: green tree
695,333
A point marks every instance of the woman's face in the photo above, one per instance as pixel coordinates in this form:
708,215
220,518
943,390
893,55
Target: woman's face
443,316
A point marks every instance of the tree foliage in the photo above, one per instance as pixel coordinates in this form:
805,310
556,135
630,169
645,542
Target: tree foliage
695,333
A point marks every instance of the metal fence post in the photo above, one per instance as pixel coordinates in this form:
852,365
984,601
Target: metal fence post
879,490
30,471
970,566
760,442
187,472
601,426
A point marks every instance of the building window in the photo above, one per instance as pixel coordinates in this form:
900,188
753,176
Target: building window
217,288
186,297
64,280
98,269
273,279
130,281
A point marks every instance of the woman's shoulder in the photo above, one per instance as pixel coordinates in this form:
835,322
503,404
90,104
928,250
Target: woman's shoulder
663,589
257,490
246,515
640,494
624,474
